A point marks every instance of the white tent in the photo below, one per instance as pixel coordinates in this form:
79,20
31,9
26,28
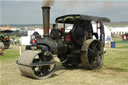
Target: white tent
119,30
25,40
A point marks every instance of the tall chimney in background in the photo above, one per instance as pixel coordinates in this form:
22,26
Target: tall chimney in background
46,20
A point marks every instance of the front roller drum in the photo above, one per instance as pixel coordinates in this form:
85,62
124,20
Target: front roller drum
30,64
92,54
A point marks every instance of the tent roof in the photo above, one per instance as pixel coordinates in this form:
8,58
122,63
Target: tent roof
6,31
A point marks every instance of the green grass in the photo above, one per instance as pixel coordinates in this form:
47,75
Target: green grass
113,72
9,54
117,58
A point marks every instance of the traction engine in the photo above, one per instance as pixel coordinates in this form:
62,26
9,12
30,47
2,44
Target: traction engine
72,45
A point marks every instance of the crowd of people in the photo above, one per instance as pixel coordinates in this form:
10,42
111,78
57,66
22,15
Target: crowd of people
14,41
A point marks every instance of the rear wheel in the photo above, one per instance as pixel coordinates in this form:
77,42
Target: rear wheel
92,54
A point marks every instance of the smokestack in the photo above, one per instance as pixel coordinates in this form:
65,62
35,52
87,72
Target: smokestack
46,20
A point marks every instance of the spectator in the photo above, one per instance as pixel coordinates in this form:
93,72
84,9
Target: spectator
15,41
12,41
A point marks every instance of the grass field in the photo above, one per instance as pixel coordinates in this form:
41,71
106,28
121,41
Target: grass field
113,72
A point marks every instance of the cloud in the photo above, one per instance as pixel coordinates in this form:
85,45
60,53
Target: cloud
21,0
29,12
76,0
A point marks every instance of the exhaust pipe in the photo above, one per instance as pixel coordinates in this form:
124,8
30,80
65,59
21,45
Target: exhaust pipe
46,20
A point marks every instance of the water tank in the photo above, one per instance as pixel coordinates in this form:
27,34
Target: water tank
112,44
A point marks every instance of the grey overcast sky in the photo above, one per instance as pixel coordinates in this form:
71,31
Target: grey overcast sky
29,11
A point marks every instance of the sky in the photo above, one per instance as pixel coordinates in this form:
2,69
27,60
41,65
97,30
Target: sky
29,11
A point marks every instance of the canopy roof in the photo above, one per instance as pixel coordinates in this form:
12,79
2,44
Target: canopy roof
73,17
6,31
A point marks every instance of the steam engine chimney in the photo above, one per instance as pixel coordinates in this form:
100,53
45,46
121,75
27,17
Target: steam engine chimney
46,20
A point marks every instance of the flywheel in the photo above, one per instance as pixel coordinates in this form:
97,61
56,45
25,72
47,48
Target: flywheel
34,64
92,54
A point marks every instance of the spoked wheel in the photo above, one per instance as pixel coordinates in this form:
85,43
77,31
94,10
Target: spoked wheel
35,64
92,54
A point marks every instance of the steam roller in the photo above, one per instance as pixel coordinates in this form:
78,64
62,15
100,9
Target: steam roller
73,43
